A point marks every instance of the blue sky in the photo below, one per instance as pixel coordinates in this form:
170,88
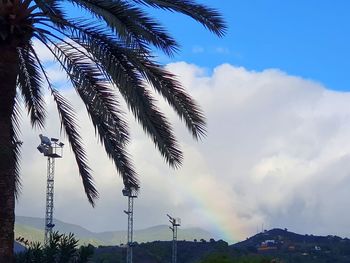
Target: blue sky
310,38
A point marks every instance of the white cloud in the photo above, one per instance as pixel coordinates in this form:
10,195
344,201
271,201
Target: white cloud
277,152
43,52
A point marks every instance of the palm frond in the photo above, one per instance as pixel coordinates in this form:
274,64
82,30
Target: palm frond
69,124
131,24
107,101
132,87
140,60
163,81
30,85
16,150
51,9
208,17
102,107
166,84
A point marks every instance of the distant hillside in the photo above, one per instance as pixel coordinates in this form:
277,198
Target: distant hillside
276,245
31,228
284,236
292,247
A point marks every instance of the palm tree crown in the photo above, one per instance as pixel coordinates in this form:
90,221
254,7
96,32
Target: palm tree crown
103,61
107,54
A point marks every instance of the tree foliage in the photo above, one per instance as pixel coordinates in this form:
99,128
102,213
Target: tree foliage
61,248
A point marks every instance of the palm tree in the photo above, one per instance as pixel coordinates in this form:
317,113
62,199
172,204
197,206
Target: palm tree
107,53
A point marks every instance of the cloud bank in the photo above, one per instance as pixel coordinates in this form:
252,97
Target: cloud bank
277,153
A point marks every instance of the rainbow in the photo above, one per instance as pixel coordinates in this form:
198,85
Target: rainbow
226,227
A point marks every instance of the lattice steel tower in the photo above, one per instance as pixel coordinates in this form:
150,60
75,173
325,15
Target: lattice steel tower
131,194
52,149
175,222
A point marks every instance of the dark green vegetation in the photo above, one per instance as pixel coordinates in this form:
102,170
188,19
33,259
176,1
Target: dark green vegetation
287,247
61,249
160,252
282,247
107,54
31,228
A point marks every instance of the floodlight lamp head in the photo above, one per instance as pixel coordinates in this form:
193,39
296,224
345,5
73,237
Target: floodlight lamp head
44,140
126,192
61,144
40,148
54,139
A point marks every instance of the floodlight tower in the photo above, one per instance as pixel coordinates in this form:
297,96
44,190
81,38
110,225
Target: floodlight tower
52,149
131,194
175,222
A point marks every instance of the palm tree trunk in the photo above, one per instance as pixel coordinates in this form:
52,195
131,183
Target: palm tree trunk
8,75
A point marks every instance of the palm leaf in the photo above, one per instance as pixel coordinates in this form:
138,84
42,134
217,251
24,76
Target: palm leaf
208,17
30,85
131,24
131,86
51,9
166,84
16,150
163,81
102,107
69,124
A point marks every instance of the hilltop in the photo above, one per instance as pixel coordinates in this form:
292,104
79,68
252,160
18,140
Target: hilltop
293,247
283,237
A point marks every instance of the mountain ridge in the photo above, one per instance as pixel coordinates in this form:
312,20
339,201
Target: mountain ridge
31,228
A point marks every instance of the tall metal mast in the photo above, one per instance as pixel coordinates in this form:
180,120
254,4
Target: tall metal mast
51,149
131,194
175,222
